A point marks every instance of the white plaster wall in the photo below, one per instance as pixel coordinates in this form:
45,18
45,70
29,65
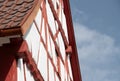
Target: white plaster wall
64,25
56,77
70,70
20,71
51,72
28,75
42,64
39,19
62,71
38,51
51,19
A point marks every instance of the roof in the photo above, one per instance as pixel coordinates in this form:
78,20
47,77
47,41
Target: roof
15,15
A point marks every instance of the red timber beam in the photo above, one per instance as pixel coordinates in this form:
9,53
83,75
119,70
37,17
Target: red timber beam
10,53
48,54
59,23
24,53
8,65
74,56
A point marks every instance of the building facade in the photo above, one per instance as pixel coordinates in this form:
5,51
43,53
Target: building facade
37,41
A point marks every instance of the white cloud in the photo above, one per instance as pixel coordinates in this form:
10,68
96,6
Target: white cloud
99,57
78,11
80,14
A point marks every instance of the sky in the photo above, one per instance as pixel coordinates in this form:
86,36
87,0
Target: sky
97,32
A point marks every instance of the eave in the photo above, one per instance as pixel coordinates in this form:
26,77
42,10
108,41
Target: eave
24,25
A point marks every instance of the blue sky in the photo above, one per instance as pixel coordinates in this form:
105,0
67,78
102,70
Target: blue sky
97,31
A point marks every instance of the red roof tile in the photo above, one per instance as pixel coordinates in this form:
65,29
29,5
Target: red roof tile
14,13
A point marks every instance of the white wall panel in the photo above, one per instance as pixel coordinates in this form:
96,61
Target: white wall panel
28,75
64,25
33,40
38,19
62,71
20,71
42,64
43,31
51,72
38,50
50,18
56,78
70,70
61,45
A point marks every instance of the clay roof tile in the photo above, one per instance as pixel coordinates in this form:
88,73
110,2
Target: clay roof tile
14,13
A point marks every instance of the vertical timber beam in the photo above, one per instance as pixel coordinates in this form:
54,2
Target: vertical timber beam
74,56
8,67
24,53
8,64
9,53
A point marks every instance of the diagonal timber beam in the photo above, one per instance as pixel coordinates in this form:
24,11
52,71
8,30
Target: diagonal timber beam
24,53
59,23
